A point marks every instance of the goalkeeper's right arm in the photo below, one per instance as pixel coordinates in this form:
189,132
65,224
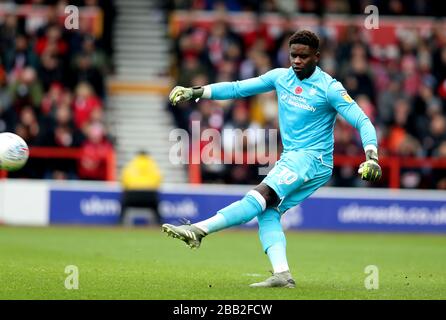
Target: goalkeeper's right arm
228,90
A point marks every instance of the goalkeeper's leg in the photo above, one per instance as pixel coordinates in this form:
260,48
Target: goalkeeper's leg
273,242
239,212
280,181
271,233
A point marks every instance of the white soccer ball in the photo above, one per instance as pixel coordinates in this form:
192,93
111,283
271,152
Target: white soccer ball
14,152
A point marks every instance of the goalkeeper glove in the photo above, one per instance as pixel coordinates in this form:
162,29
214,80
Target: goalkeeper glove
370,169
180,94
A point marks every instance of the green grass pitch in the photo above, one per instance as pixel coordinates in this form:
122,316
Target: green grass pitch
143,263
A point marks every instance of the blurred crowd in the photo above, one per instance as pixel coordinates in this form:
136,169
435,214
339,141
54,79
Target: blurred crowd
401,87
52,89
319,7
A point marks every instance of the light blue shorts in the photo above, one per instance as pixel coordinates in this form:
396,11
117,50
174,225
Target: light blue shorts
295,176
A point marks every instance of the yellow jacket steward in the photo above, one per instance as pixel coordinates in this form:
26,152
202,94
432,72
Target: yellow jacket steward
141,173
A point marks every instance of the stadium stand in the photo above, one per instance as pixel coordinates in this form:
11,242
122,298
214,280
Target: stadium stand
396,74
136,102
68,88
53,87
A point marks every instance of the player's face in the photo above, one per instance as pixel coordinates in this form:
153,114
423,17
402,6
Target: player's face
303,59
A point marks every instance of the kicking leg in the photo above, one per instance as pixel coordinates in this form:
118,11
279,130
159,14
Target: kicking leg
242,211
239,212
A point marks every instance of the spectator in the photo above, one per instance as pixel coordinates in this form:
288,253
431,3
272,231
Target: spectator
26,90
6,114
97,57
85,102
439,175
52,42
437,134
358,80
50,70
94,152
9,30
19,56
52,99
28,126
190,68
387,100
85,71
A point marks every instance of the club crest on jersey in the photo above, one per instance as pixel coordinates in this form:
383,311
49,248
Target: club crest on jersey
346,97
298,90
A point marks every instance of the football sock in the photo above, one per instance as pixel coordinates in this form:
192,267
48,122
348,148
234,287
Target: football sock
273,239
236,213
214,223
277,256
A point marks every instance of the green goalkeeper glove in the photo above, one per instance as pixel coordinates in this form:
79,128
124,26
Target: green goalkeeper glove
370,169
180,94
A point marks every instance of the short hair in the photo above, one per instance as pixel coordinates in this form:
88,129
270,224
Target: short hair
305,37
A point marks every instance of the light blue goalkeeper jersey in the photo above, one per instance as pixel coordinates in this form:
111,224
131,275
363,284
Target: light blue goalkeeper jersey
307,108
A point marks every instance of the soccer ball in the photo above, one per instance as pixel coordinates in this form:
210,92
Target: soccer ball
14,152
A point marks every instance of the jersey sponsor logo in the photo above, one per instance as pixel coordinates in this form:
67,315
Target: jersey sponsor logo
346,97
301,105
297,101
298,90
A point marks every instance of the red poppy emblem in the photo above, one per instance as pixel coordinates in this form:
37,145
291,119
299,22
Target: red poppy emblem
298,90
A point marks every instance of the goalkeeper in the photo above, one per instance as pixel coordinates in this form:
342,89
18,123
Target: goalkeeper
309,100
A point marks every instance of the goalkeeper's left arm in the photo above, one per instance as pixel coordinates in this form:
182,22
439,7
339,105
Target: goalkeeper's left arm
338,97
370,169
